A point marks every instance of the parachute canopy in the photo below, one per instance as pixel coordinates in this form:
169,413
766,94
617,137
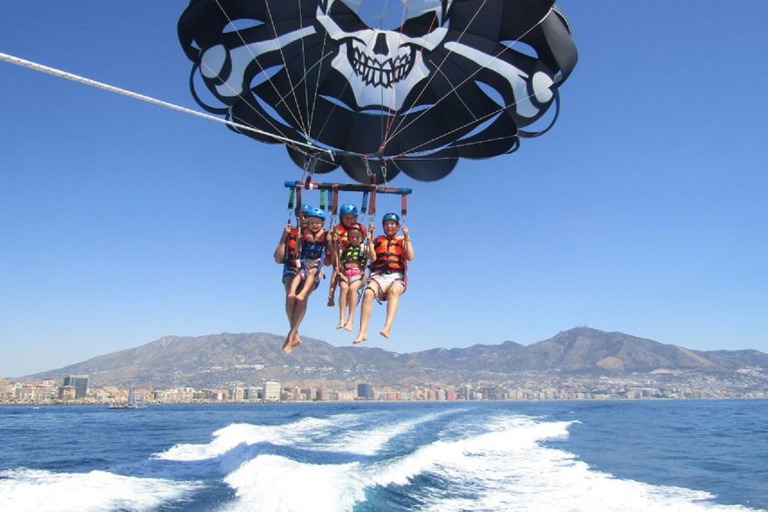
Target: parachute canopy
380,86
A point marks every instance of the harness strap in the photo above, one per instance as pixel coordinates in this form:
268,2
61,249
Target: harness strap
335,200
372,205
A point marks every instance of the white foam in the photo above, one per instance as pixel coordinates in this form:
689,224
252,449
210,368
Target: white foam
237,434
341,433
30,490
508,469
370,441
276,484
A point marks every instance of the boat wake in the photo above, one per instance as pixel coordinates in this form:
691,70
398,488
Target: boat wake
450,460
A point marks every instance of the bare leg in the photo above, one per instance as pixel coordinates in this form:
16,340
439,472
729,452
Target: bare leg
297,315
365,315
332,287
309,284
352,300
343,291
290,303
294,285
393,300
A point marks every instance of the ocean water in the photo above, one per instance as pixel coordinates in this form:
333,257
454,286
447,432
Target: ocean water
446,457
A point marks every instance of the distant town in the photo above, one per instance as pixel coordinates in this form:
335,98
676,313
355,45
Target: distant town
76,389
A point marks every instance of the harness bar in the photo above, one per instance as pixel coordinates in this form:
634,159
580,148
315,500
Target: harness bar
348,187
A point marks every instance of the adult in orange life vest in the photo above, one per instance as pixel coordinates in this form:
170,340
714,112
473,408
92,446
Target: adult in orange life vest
287,254
387,280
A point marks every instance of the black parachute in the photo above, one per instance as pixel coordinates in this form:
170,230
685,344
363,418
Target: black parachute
380,86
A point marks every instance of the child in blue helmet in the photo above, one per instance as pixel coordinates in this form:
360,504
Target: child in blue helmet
340,239
390,254
314,243
312,255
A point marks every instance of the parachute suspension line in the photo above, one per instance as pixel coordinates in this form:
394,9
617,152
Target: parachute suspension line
391,119
400,128
110,88
299,120
304,66
312,105
311,112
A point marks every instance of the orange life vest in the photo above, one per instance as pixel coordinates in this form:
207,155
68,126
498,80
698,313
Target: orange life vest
390,254
291,254
343,234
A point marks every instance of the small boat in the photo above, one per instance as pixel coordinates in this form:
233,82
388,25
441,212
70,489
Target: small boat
132,403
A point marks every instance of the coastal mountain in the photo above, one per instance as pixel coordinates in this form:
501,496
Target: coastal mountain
251,358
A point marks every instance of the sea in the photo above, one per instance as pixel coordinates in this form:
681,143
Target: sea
654,455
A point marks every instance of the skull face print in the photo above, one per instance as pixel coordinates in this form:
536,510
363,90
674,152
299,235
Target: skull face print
382,66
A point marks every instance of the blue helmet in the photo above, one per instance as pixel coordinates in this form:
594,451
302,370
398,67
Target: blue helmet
306,208
391,216
316,212
348,209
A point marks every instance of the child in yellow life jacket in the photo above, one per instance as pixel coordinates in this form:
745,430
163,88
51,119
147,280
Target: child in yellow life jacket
340,239
390,254
352,261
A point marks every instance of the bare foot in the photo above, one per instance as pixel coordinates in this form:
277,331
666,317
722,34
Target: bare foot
331,301
360,338
288,345
295,341
341,325
348,326
385,332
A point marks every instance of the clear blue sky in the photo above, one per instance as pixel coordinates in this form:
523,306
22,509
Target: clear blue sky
643,211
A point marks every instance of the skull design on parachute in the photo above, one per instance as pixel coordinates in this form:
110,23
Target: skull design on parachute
416,84
382,66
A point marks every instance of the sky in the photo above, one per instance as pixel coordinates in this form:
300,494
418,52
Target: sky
642,211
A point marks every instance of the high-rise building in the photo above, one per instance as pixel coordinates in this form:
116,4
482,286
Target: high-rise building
272,391
364,391
79,382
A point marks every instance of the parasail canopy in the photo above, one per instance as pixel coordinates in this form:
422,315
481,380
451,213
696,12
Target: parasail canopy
379,87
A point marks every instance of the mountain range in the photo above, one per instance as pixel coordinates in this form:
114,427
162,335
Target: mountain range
251,358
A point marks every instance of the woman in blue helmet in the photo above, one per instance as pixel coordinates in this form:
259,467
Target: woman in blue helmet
387,280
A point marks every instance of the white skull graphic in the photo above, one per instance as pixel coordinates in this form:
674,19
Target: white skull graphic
382,66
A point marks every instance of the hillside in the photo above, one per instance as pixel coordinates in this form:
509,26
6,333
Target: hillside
250,358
